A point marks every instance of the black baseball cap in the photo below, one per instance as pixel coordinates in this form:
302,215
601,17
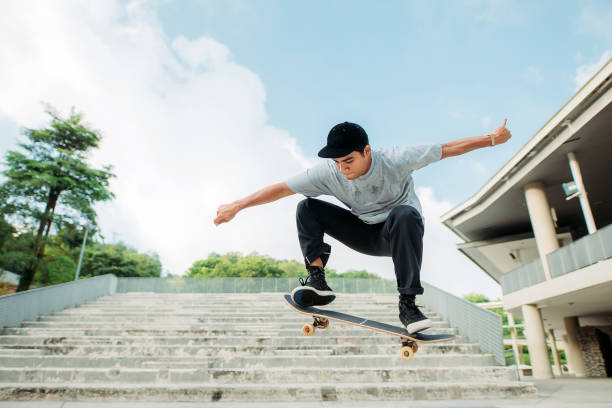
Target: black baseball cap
343,139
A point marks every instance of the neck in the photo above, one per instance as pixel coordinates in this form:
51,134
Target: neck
367,168
369,164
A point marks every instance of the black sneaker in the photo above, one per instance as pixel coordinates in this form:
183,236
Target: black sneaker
313,291
411,316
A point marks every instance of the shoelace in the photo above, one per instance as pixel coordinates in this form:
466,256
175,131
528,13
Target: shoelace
312,277
409,304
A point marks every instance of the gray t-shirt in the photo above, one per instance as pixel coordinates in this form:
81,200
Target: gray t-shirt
371,197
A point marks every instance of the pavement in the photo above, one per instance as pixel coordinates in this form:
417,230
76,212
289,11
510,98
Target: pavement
556,393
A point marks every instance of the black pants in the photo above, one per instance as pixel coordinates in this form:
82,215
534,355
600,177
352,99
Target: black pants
400,236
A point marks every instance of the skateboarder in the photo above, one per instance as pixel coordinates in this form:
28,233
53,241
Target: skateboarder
385,217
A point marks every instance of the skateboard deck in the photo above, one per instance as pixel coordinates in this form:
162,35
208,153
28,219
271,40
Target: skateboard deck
409,340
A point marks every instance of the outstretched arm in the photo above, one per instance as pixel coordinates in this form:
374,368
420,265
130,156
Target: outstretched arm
461,146
268,194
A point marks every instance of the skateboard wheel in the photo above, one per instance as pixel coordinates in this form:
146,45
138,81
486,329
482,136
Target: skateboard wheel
308,329
407,353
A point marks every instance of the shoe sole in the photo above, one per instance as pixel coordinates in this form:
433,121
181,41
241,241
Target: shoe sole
418,326
307,296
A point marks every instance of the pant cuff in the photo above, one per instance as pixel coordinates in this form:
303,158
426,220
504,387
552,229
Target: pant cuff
322,253
411,291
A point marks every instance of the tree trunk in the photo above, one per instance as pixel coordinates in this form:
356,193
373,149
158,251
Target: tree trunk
39,245
45,279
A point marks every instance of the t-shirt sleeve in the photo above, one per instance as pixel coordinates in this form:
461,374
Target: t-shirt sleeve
311,182
411,158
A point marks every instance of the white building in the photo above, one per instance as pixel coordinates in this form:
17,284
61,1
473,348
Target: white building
542,228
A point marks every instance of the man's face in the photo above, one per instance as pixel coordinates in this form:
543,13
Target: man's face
354,165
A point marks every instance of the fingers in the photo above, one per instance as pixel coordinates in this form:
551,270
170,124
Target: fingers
504,124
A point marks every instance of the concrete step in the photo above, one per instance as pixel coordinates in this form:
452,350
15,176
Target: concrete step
236,312
338,329
276,319
256,375
296,340
260,392
182,325
155,350
238,361
237,347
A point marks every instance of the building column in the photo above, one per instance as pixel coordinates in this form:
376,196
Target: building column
582,193
573,352
541,222
555,352
536,341
518,355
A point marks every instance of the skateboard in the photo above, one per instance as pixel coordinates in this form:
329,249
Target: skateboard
409,341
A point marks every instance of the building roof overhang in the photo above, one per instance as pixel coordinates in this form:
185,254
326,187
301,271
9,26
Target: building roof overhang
581,126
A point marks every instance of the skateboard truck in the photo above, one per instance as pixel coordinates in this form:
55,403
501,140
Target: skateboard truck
309,329
408,349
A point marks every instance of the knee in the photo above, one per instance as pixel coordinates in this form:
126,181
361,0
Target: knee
405,213
304,205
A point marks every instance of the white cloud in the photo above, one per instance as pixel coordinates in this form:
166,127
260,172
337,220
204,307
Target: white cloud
183,125
443,265
186,130
586,71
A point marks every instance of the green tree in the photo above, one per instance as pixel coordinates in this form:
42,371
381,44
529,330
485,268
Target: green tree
51,181
351,274
120,260
476,298
6,231
254,265
17,252
72,236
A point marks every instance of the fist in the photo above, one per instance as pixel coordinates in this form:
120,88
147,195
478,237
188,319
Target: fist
502,135
225,213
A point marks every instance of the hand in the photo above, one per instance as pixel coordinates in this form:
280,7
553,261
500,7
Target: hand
502,135
226,212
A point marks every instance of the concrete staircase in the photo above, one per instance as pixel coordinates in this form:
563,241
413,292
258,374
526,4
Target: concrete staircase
236,347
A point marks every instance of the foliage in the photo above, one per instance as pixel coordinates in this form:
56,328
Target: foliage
6,231
55,269
351,274
59,262
52,173
233,264
120,260
476,298
50,183
16,252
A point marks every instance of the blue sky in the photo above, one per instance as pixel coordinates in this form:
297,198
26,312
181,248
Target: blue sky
409,72
204,102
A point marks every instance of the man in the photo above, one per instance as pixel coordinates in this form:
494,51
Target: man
385,217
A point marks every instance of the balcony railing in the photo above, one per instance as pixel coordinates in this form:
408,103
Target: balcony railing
526,275
586,251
